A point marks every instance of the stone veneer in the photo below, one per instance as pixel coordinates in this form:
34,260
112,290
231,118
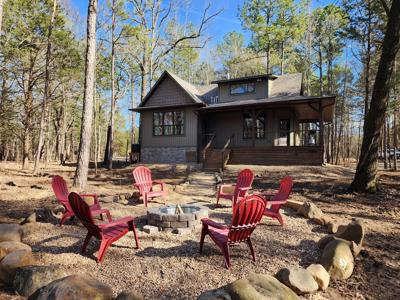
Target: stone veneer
166,220
165,154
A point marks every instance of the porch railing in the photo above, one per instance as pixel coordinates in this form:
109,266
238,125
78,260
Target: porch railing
226,151
210,139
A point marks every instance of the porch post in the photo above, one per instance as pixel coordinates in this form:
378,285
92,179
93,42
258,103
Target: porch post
321,130
253,131
294,124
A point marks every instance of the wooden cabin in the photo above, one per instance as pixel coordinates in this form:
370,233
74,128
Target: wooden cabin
262,120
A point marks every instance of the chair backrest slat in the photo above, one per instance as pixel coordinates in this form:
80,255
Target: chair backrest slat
82,211
285,188
60,189
247,213
245,179
142,177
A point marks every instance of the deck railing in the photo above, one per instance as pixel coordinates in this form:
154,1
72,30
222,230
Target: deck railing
210,138
226,151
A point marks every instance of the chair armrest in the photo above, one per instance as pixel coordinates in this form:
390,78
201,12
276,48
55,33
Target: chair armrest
117,222
276,202
94,196
211,223
160,183
244,188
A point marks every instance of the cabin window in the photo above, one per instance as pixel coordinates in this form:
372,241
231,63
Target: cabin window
259,127
309,133
168,123
284,132
243,88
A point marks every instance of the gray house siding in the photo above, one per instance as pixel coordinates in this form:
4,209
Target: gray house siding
168,93
169,149
261,92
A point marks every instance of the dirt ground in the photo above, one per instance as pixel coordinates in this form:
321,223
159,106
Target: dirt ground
168,266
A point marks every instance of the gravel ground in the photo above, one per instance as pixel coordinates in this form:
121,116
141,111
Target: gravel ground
168,266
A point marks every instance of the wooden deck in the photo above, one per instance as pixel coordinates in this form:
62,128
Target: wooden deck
275,156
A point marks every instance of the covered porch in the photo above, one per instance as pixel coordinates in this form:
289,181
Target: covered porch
265,132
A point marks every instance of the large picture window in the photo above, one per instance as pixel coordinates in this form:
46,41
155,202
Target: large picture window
168,123
248,126
243,88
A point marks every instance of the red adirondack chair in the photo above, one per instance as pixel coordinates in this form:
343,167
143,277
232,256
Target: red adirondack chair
145,184
107,233
243,185
247,213
61,191
276,200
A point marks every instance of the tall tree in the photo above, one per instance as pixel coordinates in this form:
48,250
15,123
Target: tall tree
366,173
81,172
1,13
46,90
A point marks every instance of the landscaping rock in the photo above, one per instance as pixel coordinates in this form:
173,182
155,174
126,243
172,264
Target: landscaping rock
354,231
260,287
11,232
10,246
74,287
130,295
12,261
293,204
218,294
150,229
325,240
298,279
310,211
29,219
320,275
30,278
337,259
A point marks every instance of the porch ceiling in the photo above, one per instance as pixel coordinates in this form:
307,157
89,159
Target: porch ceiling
306,108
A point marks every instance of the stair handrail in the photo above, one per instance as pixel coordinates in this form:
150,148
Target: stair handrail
208,146
226,150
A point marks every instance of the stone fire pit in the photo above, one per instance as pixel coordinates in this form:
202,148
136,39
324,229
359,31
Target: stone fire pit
171,218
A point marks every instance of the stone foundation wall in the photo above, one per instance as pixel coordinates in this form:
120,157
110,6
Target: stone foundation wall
167,154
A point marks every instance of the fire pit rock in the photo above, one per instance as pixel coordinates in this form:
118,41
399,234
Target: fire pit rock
170,217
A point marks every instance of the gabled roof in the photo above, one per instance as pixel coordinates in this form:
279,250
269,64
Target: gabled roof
190,89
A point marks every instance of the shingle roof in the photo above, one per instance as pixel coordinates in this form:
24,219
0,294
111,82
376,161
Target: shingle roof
286,85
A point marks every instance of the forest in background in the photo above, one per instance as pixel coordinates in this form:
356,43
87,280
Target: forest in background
42,52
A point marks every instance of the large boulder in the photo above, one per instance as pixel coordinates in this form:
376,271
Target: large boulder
30,278
298,279
10,246
337,259
11,232
74,287
130,295
12,261
311,211
354,231
261,287
320,275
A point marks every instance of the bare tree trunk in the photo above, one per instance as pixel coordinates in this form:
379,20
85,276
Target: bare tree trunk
110,141
384,148
46,91
1,13
395,115
366,173
81,172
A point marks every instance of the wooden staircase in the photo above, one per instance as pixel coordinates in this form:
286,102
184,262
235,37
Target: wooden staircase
213,160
